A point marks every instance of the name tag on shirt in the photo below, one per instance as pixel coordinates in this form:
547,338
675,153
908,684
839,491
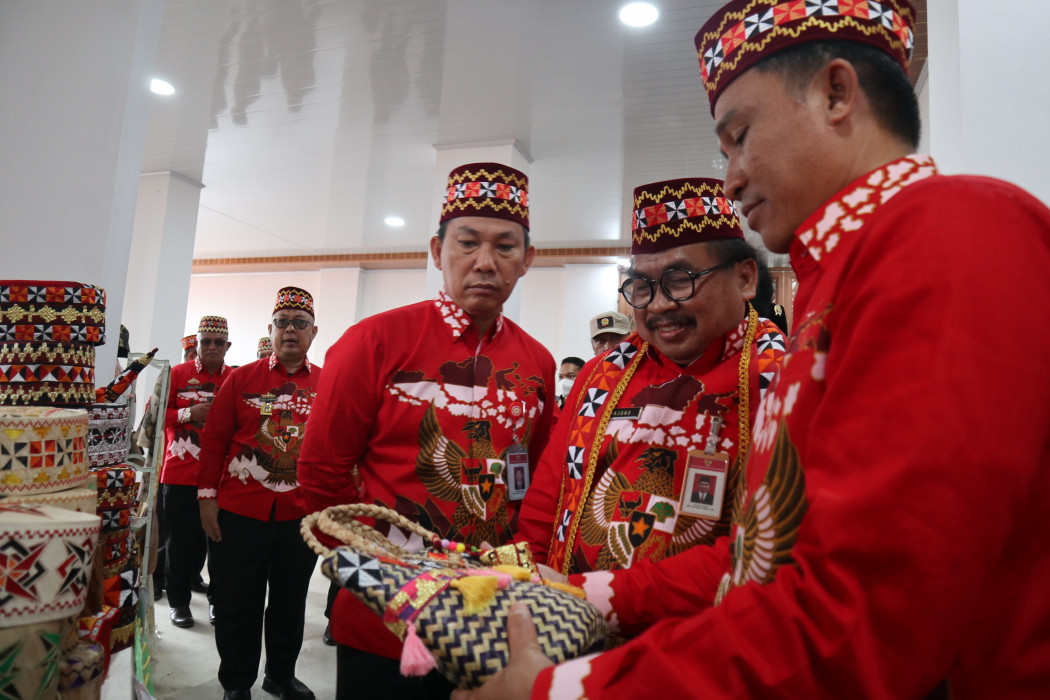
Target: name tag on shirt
626,413
517,475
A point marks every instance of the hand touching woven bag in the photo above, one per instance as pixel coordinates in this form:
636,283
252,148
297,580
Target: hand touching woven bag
450,612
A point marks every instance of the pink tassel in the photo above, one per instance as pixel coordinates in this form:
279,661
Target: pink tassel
416,659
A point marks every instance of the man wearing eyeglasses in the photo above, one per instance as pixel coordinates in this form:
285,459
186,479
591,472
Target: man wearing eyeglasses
251,510
193,386
663,404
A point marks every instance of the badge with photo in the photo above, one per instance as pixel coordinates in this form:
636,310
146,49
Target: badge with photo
705,485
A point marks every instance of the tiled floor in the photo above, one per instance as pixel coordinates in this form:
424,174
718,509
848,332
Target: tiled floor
185,663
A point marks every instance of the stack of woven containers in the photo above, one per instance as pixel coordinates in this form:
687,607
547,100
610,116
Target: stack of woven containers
48,335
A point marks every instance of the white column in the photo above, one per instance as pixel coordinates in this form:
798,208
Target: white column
988,99
161,260
74,107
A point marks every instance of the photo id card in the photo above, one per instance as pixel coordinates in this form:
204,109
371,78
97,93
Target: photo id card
705,484
517,472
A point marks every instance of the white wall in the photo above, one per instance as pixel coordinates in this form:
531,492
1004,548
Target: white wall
246,300
555,304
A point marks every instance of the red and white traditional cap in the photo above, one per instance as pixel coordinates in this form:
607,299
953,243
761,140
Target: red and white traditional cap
743,32
487,189
213,324
189,342
672,213
265,344
294,298
39,311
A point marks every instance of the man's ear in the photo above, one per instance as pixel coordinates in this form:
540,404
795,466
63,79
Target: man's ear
840,88
435,251
530,256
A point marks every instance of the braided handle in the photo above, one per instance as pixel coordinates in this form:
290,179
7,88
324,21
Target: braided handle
340,522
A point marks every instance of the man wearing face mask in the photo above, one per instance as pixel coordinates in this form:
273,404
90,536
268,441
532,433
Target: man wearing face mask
567,373
659,410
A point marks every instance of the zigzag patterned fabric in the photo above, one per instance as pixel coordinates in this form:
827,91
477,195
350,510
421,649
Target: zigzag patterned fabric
469,648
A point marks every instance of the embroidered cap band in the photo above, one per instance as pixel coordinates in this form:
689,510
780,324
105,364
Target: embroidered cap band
294,298
487,189
189,342
743,32
672,213
213,324
265,345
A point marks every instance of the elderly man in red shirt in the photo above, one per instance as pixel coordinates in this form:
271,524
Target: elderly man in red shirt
250,506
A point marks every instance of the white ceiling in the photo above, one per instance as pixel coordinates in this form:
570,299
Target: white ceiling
310,121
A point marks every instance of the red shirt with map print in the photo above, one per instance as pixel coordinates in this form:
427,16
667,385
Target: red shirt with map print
190,384
251,442
862,560
631,498
416,412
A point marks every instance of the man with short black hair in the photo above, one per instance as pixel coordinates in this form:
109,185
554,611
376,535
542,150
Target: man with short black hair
861,561
567,372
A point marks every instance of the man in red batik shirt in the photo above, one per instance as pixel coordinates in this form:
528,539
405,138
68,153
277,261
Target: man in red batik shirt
193,385
251,510
861,560
647,419
420,406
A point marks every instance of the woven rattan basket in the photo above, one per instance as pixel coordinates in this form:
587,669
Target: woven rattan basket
431,599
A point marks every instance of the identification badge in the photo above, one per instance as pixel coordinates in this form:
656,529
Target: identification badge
517,472
705,484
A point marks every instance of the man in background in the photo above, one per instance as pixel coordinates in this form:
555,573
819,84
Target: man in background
567,372
608,329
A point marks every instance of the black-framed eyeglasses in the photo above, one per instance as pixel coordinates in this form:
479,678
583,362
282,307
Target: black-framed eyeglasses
676,283
208,342
298,323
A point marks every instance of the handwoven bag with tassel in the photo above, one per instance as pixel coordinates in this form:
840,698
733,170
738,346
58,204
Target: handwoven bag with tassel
450,608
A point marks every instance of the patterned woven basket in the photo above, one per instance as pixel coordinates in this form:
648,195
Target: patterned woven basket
446,606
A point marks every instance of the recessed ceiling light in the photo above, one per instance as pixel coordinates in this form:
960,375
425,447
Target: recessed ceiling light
395,221
161,87
638,14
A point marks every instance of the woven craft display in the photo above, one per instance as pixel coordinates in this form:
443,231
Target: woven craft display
82,500
448,609
47,554
107,433
80,666
42,449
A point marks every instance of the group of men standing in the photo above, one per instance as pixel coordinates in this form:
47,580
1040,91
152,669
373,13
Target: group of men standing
758,516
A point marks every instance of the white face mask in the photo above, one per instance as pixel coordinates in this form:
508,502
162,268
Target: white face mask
566,385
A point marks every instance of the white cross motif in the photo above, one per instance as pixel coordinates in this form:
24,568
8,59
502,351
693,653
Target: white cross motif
574,462
595,399
358,571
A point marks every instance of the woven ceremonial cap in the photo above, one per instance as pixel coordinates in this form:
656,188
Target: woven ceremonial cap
487,189
610,322
743,32
265,345
294,298
189,341
672,213
213,324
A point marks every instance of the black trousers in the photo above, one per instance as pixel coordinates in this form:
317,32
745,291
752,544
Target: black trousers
364,676
252,557
185,544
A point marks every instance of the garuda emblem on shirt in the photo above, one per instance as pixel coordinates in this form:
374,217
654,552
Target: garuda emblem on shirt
766,529
471,478
273,457
635,520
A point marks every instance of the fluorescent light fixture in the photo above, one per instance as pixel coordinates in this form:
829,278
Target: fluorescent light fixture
395,221
638,14
161,87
